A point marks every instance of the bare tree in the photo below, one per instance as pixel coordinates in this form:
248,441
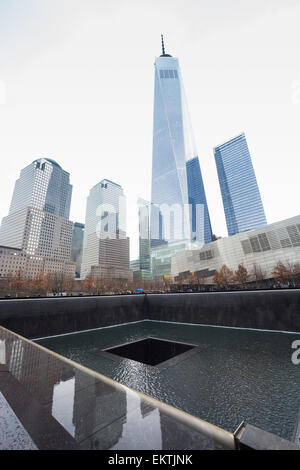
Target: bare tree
217,278
16,284
241,275
39,284
166,284
202,280
90,284
257,274
69,284
285,273
223,277
294,272
100,285
58,282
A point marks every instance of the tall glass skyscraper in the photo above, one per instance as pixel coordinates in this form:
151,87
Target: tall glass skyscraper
38,220
240,193
105,245
144,240
200,220
44,185
173,146
77,245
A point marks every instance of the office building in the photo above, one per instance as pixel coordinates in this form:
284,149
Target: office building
38,220
240,193
105,244
261,249
199,215
77,245
144,241
173,146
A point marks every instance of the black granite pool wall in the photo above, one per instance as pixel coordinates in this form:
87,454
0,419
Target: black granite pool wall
271,310
36,318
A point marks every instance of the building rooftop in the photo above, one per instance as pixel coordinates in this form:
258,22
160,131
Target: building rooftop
79,225
10,248
53,162
229,141
112,182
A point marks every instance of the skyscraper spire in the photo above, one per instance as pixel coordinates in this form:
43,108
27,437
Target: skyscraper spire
162,44
163,47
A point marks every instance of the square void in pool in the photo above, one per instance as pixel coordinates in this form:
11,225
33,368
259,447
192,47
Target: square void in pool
150,351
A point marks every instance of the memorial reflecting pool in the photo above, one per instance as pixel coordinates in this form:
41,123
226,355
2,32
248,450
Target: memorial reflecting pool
223,376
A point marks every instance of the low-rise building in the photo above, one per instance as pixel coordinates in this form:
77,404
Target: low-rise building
16,262
261,248
161,256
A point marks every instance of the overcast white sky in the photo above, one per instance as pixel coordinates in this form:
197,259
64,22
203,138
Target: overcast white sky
79,88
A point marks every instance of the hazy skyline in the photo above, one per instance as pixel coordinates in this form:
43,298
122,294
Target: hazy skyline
79,81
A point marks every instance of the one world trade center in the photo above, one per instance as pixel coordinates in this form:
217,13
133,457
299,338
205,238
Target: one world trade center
178,202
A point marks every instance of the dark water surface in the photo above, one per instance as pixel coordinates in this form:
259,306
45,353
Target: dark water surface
233,375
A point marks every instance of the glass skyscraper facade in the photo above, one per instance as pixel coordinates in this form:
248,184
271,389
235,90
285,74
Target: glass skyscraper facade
105,244
43,185
77,244
200,220
38,220
144,240
173,146
240,193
